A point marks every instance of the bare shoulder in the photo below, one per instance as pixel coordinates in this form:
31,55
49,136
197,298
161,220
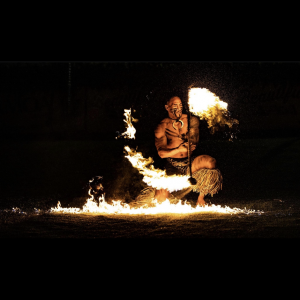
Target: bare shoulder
194,121
160,128
164,123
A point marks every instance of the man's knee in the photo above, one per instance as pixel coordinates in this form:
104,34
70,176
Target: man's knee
211,162
162,192
205,161
161,195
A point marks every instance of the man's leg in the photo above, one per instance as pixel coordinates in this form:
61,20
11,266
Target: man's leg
200,200
201,162
161,195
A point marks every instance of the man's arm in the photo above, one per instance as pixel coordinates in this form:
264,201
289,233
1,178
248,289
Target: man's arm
162,146
194,130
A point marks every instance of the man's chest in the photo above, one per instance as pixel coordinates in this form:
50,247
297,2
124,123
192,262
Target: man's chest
176,131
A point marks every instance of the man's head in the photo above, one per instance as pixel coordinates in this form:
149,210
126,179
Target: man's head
174,107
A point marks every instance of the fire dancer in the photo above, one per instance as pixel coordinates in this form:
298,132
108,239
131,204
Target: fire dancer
172,146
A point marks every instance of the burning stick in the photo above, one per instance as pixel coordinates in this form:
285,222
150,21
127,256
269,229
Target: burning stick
192,180
205,104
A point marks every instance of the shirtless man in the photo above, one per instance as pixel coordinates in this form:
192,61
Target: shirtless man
171,144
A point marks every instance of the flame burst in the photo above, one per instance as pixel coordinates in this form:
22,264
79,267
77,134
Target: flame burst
206,105
155,177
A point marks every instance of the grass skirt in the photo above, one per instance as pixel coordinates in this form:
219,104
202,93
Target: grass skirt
209,181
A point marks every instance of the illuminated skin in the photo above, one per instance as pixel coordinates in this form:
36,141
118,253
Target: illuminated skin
169,143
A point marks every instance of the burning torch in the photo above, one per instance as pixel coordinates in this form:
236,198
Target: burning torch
192,180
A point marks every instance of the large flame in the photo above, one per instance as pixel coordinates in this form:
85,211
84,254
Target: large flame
201,101
155,177
206,105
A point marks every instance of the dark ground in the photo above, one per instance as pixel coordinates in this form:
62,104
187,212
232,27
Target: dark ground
259,174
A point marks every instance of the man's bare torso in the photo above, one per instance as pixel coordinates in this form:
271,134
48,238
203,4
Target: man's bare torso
166,136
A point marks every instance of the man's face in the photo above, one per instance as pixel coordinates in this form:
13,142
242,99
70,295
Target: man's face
174,108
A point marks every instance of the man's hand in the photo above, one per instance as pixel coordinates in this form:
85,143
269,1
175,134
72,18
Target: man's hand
184,146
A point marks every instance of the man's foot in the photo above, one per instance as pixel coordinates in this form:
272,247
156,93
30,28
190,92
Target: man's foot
161,195
201,202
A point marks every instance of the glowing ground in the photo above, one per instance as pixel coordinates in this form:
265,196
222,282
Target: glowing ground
281,219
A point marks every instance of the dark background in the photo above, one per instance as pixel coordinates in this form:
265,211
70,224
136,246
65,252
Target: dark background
62,100
59,121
